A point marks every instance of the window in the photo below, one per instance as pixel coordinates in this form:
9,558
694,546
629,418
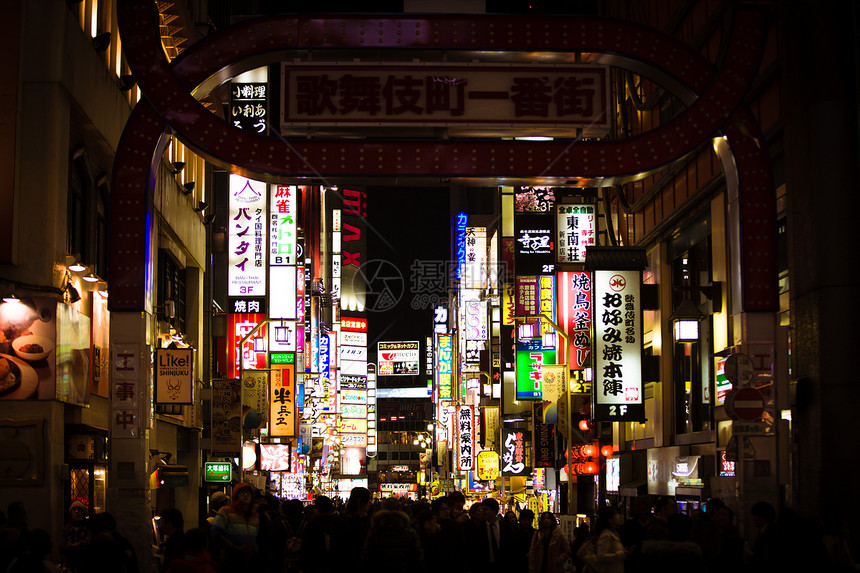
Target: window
88,214
171,286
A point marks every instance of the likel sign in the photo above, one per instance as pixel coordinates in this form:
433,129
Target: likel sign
174,375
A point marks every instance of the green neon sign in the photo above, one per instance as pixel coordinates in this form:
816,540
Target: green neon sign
217,472
282,357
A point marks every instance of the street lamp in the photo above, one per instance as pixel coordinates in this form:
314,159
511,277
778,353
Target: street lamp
685,321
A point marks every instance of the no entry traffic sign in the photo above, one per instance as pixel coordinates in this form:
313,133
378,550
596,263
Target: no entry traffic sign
745,404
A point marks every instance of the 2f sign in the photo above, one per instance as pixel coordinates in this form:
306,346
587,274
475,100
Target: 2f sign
617,410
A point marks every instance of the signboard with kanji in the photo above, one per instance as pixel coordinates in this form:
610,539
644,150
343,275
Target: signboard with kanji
464,425
514,462
575,314
219,472
282,401
570,96
618,346
576,226
246,229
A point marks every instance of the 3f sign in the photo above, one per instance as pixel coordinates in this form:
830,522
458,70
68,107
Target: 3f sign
615,410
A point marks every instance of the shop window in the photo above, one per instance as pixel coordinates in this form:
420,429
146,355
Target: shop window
87,484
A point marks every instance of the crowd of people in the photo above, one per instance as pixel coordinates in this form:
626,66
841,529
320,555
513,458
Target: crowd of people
250,531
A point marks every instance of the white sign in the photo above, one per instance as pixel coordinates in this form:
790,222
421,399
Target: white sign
282,224
617,341
464,422
353,353
245,244
475,269
353,367
576,232
353,338
283,282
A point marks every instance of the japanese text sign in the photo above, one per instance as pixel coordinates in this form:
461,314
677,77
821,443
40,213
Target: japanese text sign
576,231
573,96
618,346
245,243
282,401
464,424
575,312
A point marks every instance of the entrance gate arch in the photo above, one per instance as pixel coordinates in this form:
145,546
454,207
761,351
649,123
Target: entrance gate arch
717,96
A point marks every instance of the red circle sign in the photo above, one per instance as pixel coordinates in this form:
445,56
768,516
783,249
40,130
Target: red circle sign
748,404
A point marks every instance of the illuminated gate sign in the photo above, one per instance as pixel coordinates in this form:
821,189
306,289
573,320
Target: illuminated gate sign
618,346
350,94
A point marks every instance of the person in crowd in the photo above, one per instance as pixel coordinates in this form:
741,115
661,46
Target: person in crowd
632,532
217,500
722,545
14,535
74,535
664,509
523,533
456,501
106,549
354,525
677,553
273,534
235,528
392,542
171,526
292,509
500,536
451,535
764,550
194,557
318,537
610,553
580,537
477,542
35,555
837,539
429,533
550,551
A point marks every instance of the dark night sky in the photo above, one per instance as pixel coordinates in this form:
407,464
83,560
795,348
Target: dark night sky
405,224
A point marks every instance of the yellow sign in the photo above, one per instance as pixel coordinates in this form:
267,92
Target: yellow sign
488,466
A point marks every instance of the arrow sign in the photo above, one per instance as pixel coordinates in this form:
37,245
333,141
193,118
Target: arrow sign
745,404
